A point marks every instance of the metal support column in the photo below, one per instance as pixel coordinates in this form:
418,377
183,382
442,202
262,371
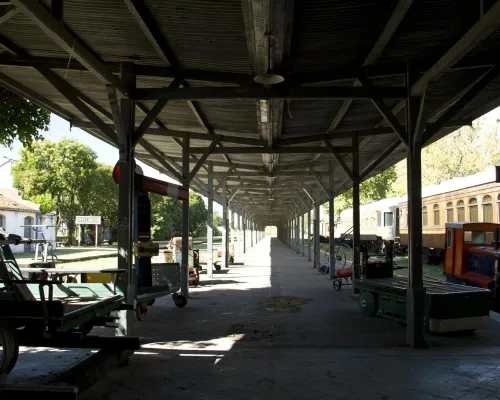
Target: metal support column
244,221
225,224
240,234
317,243
309,235
303,235
126,281
232,231
356,222
416,291
297,235
251,234
331,221
210,221
185,220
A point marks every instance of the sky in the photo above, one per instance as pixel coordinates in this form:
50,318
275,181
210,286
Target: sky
106,154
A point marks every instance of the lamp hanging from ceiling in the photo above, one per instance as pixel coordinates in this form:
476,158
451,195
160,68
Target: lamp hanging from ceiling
269,78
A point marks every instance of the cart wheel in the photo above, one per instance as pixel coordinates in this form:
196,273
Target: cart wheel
9,347
368,303
141,311
179,300
217,267
337,284
231,260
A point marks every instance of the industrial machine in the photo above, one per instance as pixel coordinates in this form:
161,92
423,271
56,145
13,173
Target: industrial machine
49,313
448,307
152,280
472,254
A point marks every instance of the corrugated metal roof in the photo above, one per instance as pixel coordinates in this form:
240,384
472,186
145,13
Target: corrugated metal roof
211,35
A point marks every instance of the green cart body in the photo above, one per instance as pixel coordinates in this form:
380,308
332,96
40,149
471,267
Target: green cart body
50,313
448,307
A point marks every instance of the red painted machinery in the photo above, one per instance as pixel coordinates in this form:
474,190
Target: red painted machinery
472,255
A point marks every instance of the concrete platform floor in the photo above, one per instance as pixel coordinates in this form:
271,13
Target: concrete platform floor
234,341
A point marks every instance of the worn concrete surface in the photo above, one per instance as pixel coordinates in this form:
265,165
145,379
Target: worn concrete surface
274,328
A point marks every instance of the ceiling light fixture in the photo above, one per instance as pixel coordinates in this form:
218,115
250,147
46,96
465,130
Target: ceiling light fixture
269,78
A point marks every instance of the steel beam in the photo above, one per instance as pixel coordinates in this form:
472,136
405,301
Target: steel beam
268,150
331,221
337,156
58,33
209,150
185,221
386,113
210,222
317,218
356,219
318,180
482,83
385,36
256,93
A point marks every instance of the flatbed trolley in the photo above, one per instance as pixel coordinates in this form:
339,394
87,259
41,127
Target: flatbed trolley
448,307
49,313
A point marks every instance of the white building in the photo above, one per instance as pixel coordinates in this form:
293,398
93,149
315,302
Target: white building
16,213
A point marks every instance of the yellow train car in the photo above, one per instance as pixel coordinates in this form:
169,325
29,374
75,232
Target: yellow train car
474,198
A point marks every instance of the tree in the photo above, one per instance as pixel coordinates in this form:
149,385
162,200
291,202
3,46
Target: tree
166,216
99,196
375,188
467,151
53,174
197,215
20,119
218,223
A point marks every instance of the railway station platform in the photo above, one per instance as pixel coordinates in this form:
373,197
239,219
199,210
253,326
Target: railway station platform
272,327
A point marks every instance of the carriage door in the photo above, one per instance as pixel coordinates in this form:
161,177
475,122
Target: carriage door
27,232
396,225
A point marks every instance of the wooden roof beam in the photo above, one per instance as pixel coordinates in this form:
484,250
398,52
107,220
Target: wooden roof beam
276,93
63,37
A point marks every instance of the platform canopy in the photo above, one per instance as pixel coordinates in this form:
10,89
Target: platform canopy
345,66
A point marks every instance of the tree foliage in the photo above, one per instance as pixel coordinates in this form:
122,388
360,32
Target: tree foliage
20,119
166,215
65,178
375,188
467,151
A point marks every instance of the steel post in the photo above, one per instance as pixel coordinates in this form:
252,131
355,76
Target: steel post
210,221
331,221
303,235
297,236
309,235
317,243
356,222
126,282
225,225
185,221
416,291
232,231
244,221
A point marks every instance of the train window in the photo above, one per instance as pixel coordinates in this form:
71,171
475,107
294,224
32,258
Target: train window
449,238
487,209
379,218
424,216
388,219
460,211
475,237
449,212
473,211
435,210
